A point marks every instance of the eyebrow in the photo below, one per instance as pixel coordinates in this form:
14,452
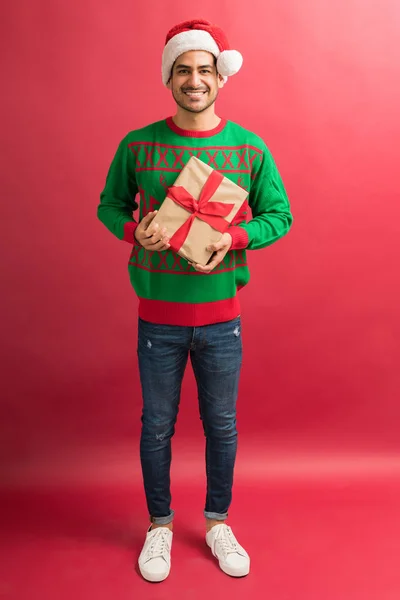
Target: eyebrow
188,67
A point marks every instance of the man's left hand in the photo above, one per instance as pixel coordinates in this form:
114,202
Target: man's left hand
220,248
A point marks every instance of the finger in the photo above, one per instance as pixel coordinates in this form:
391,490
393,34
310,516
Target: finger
158,247
199,268
193,265
204,269
159,235
215,247
146,227
224,243
213,263
151,229
149,217
154,234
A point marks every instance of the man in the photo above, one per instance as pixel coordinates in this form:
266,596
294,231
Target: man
188,309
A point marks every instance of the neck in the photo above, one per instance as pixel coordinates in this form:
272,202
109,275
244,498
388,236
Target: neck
203,121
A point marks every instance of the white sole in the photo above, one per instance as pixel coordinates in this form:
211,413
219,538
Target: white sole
235,573
153,577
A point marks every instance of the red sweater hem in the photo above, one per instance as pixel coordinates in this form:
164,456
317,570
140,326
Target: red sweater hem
188,315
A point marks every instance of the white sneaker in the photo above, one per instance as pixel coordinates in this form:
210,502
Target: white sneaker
155,557
233,558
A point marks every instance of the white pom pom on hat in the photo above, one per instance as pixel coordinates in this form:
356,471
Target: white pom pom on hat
229,62
199,35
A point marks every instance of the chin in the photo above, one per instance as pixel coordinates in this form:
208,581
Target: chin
196,110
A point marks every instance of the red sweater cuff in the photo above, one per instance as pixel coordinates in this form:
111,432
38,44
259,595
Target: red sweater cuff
129,233
240,239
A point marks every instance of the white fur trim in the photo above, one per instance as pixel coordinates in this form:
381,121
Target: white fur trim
184,42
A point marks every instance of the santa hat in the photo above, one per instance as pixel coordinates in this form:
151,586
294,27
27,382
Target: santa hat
199,35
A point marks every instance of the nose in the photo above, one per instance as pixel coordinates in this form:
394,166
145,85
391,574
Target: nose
194,79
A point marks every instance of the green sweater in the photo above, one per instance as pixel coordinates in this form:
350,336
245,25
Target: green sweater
147,162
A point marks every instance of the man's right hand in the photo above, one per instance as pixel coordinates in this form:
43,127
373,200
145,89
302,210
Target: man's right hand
151,237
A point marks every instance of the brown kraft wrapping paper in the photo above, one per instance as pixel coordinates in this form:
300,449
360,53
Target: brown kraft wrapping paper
197,177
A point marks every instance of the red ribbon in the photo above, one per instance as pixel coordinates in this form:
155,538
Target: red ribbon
212,213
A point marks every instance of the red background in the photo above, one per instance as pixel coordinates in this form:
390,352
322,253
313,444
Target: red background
320,386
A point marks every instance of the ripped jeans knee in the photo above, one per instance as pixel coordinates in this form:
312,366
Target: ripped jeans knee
155,434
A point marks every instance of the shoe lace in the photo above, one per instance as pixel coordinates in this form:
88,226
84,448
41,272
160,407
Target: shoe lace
158,545
227,540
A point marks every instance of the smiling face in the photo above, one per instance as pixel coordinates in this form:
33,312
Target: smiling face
194,81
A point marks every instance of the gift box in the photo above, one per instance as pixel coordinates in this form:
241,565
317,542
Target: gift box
198,209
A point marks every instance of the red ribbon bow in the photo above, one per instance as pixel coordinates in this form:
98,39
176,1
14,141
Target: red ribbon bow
212,213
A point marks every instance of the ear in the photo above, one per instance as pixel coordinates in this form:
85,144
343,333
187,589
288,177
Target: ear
221,81
169,83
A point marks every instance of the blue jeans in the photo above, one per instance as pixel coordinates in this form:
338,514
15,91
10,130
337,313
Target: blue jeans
216,356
